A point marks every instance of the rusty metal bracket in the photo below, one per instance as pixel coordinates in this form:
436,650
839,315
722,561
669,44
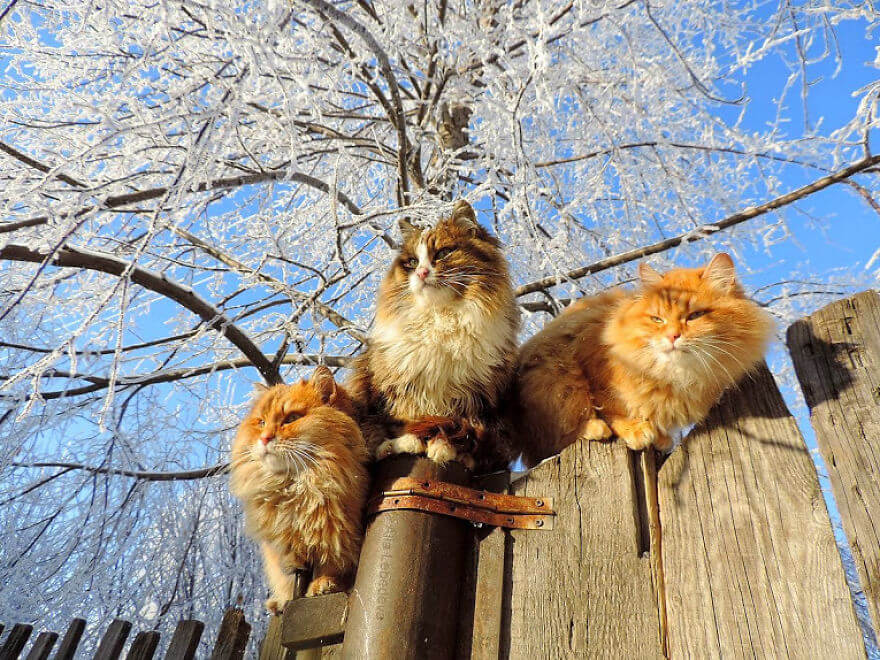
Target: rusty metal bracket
476,506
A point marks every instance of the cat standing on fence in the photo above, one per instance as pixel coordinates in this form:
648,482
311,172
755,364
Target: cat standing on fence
441,354
638,364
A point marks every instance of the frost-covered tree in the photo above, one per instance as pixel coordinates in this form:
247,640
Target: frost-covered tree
197,195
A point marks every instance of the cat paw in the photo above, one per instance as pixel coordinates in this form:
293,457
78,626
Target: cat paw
637,434
404,444
596,429
274,607
440,451
323,585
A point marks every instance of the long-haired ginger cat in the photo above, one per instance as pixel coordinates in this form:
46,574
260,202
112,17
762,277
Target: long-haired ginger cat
298,465
638,364
443,344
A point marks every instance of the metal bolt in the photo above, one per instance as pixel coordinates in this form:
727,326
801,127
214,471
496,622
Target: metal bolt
539,502
539,523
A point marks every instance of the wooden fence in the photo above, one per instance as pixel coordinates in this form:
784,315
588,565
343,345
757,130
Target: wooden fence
230,644
723,550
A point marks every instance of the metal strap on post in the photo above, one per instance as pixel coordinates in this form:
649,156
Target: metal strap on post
476,506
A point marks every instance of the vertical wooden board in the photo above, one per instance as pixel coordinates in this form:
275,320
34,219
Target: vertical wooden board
232,637
185,640
42,646
836,353
113,640
143,647
479,627
67,648
270,647
15,642
751,566
583,589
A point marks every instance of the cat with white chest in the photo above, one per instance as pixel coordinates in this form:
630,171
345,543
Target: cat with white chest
444,342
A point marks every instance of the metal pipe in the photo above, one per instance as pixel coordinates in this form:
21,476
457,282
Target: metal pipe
405,599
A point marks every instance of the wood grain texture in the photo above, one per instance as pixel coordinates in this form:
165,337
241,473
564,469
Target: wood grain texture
750,562
270,647
836,353
479,626
583,589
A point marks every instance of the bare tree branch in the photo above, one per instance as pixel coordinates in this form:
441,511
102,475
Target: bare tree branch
143,475
701,232
69,257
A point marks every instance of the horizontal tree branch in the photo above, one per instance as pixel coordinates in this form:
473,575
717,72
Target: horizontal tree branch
700,232
170,375
117,201
68,257
183,475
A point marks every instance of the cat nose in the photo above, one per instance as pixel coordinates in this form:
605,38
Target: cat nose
266,439
422,273
673,336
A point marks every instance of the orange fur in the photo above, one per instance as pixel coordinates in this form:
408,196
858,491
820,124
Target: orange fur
304,490
639,364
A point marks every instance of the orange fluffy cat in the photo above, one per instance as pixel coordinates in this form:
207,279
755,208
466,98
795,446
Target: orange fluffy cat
638,364
298,465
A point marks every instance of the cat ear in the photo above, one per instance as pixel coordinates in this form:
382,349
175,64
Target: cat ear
322,381
648,275
407,228
463,215
720,272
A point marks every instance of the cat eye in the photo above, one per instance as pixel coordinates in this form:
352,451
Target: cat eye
292,417
442,254
696,315
657,319
411,263
261,423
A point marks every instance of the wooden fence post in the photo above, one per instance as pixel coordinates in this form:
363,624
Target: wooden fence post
585,589
750,562
405,599
836,353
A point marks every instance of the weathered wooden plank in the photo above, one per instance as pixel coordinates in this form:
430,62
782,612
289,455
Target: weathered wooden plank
749,557
16,640
42,646
185,640
836,353
67,648
143,647
312,622
232,637
479,626
583,589
270,647
113,640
